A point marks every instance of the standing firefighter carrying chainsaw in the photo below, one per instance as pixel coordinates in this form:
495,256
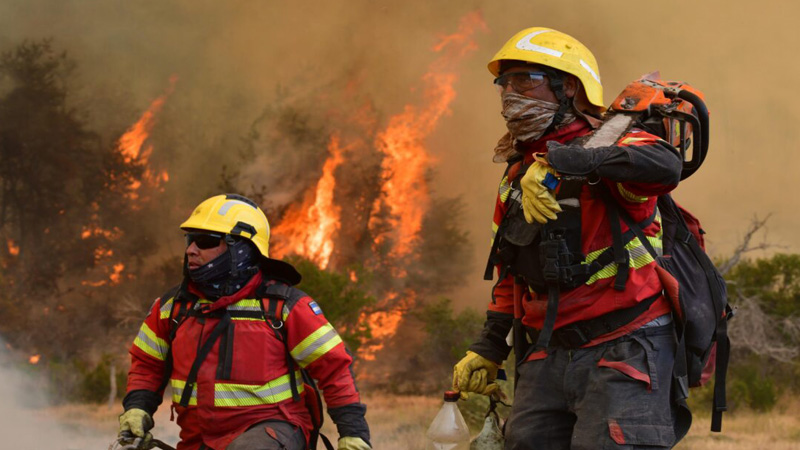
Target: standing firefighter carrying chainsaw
578,292
240,347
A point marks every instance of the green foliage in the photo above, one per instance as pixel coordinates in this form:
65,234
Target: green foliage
341,298
775,280
448,334
79,381
750,384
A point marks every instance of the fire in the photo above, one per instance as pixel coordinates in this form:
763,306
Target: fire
134,152
13,248
34,359
402,142
93,230
310,227
395,219
383,325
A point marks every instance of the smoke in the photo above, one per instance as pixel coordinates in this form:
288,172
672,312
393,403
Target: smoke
29,422
235,59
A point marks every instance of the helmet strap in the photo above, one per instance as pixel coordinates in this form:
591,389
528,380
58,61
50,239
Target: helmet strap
557,86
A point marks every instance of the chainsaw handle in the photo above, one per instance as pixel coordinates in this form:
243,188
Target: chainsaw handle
700,143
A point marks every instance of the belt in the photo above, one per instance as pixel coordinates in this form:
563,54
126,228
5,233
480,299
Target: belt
578,334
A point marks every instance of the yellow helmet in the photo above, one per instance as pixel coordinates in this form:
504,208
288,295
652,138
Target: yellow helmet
557,50
232,214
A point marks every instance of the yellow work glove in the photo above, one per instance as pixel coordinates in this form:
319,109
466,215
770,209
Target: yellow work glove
352,443
538,202
135,423
474,373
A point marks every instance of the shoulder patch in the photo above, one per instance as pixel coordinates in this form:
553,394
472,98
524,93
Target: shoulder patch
315,307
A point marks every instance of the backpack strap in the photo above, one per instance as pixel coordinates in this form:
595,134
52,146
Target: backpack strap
184,302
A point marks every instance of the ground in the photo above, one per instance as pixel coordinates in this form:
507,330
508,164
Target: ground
397,422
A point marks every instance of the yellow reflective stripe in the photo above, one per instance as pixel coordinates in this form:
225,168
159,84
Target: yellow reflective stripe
630,196
505,189
639,257
177,391
148,342
495,227
629,140
252,305
277,390
315,345
166,308
246,305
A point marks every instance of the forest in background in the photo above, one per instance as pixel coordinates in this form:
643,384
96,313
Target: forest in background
86,229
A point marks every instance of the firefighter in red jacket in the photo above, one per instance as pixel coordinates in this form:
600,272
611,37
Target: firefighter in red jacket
233,341
578,294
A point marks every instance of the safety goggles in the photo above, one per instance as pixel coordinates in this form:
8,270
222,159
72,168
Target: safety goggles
204,241
519,81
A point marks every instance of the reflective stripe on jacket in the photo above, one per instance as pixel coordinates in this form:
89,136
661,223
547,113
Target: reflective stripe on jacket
245,378
597,296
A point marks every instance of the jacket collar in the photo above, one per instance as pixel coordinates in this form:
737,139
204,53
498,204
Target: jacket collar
247,291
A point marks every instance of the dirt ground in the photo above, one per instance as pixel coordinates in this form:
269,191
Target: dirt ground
399,423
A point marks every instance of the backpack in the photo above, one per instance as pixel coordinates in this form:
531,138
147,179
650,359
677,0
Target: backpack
273,298
675,112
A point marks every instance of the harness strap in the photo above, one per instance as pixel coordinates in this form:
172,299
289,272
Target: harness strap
607,257
191,379
621,256
175,321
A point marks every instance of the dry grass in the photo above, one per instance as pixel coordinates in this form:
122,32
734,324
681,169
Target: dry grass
400,422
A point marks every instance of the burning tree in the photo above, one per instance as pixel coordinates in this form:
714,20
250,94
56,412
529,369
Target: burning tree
346,189
71,213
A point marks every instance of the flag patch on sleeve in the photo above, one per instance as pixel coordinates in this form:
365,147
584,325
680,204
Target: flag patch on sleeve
315,307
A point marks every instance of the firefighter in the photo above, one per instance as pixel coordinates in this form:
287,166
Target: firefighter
233,340
578,293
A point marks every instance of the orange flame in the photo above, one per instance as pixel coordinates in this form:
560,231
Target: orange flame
402,142
383,324
132,142
34,359
116,276
13,248
310,228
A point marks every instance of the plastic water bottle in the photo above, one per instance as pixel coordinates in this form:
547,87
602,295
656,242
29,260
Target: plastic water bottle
449,431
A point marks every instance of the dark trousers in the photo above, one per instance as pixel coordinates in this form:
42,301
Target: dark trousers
270,435
616,395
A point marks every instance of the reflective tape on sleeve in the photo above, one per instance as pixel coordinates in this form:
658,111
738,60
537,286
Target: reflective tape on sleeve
148,342
315,345
166,308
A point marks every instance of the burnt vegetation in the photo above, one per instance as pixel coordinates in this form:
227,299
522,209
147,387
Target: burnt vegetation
81,259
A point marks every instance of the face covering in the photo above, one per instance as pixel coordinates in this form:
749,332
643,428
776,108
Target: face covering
216,279
526,119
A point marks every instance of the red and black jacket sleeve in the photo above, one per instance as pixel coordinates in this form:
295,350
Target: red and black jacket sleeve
149,353
317,347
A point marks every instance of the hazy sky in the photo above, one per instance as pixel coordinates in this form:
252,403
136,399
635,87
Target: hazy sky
230,56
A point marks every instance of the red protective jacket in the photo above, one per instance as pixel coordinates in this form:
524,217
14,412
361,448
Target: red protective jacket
597,296
244,379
